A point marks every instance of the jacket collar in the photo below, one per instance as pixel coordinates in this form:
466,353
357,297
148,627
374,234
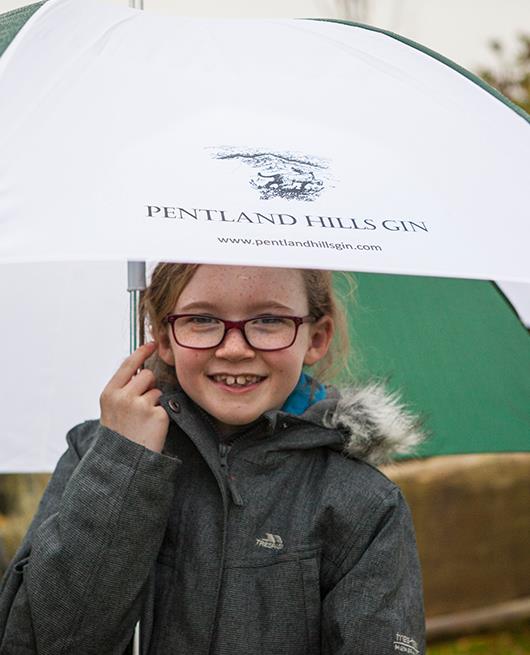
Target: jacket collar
362,421
368,422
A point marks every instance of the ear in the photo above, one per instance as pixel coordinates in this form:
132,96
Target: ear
165,352
320,336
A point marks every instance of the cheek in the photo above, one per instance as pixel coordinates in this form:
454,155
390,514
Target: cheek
288,366
188,360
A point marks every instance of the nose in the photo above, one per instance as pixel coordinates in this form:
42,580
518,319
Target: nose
234,346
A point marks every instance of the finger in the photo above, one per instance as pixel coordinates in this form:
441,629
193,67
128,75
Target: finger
131,364
143,381
152,397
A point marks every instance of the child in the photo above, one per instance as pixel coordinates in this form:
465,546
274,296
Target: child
231,514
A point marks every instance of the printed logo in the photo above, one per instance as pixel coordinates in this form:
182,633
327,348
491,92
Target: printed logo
404,644
270,541
286,175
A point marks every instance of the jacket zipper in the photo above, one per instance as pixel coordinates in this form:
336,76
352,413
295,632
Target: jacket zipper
224,449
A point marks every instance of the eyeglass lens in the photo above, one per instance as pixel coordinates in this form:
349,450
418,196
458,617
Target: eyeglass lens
268,332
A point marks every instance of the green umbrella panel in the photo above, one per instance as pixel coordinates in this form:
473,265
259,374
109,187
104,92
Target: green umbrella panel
455,350
13,21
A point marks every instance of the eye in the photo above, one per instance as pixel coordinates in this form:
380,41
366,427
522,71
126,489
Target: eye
270,320
202,320
199,321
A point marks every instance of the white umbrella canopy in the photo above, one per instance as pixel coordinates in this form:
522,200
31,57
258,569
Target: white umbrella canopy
137,136
246,142
519,296
64,328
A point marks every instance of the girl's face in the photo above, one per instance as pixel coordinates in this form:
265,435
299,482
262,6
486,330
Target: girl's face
236,293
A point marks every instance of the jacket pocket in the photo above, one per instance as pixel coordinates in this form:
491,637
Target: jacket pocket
311,580
270,607
16,634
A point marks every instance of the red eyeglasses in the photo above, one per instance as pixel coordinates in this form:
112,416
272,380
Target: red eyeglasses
267,333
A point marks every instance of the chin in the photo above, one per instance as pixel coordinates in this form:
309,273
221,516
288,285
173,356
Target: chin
238,423
231,422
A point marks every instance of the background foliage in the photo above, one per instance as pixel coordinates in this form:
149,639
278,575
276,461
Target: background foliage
511,75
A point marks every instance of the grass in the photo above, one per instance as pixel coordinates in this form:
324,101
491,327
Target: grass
513,641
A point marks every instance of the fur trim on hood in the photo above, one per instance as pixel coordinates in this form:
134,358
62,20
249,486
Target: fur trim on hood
375,424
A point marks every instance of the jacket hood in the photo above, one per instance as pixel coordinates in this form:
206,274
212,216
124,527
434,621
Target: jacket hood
374,424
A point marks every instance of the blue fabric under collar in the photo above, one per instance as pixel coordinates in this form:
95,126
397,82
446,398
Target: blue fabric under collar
306,393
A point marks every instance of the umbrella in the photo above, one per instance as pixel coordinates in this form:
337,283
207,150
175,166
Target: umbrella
287,154
307,192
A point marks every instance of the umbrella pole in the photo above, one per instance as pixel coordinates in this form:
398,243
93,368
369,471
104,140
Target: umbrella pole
136,329
136,274
135,286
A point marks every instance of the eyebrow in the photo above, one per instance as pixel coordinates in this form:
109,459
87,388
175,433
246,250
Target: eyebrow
210,307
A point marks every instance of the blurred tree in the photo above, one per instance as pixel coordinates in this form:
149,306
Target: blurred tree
354,10
511,76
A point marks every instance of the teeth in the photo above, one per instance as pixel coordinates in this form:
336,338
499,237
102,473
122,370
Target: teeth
240,380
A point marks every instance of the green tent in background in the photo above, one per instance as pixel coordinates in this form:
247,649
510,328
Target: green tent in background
454,348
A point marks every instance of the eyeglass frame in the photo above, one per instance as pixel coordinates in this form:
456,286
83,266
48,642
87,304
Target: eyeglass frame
240,325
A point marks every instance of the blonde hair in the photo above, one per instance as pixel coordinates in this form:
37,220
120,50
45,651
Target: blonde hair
168,281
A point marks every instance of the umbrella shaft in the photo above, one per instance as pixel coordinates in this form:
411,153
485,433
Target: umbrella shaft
136,640
136,331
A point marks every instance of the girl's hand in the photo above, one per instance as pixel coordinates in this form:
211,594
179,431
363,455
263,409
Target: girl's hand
129,403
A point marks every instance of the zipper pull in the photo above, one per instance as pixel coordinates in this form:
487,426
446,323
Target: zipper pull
224,449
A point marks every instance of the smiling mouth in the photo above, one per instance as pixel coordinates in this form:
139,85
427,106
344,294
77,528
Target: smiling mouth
237,380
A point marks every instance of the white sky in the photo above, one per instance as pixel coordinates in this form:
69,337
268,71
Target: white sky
458,29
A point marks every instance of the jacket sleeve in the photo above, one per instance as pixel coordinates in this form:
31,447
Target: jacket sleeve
75,584
376,605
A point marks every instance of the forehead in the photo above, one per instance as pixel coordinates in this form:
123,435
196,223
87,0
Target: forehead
244,287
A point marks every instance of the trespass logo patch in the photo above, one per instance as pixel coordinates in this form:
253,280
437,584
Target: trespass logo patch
287,175
404,644
273,541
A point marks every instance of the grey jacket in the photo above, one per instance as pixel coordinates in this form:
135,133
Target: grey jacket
275,544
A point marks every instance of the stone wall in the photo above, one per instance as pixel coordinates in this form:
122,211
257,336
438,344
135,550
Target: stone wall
19,499
472,519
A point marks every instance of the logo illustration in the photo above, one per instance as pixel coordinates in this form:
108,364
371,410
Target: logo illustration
287,175
270,541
